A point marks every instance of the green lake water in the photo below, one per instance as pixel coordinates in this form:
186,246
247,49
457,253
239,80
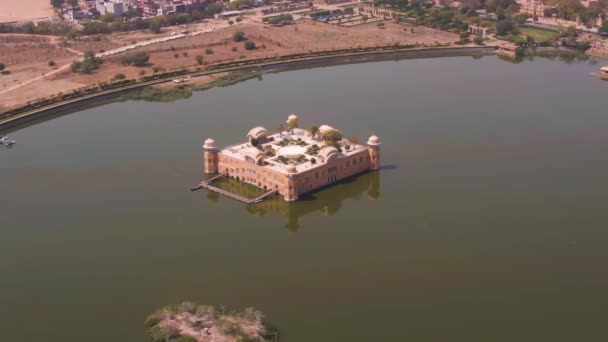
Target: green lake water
487,222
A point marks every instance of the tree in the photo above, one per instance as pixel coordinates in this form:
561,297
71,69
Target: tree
332,136
503,27
138,59
281,128
215,8
209,51
199,60
313,130
237,4
108,17
238,36
478,40
521,18
380,25
291,124
2,66
74,3
57,3
604,28
249,45
119,77
155,27
51,63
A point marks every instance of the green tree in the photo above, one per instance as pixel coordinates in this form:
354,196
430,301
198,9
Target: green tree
249,45
281,128
209,51
200,60
51,63
503,27
604,28
313,130
108,17
119,77
215,8
2,66
237,4
238,36
155,27
138,59
57,3
478,40
333,138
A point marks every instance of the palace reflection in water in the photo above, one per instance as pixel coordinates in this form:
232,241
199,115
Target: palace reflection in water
327,201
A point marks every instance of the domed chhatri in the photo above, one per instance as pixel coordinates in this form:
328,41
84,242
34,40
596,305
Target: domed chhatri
209,144
292,117
259,133
373,141
292,162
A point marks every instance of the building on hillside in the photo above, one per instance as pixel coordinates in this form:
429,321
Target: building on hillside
532,7
116,7
227,14
292,162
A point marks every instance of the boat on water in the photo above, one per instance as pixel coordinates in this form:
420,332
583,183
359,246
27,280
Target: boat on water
6,141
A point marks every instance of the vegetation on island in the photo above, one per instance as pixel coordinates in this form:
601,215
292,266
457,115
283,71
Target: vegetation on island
155,94
190,322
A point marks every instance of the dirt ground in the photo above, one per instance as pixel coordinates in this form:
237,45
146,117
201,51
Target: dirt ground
305,36
20,10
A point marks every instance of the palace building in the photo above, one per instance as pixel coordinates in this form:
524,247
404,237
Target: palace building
294,161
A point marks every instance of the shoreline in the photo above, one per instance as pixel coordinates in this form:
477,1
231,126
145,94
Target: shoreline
19,118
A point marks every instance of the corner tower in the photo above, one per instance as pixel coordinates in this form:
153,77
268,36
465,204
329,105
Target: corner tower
373,144
210,156
292,192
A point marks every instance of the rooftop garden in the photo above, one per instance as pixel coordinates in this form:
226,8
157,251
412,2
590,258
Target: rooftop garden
291,141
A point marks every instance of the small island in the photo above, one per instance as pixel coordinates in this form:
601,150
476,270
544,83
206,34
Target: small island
190,322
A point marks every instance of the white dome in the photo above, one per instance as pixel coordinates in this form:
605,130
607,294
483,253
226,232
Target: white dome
326,128
373,140
291,168
209,144
292,151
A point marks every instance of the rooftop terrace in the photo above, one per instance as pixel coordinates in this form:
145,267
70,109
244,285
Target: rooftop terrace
291,151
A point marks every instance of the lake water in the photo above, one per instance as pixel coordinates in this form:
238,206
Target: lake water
488,221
